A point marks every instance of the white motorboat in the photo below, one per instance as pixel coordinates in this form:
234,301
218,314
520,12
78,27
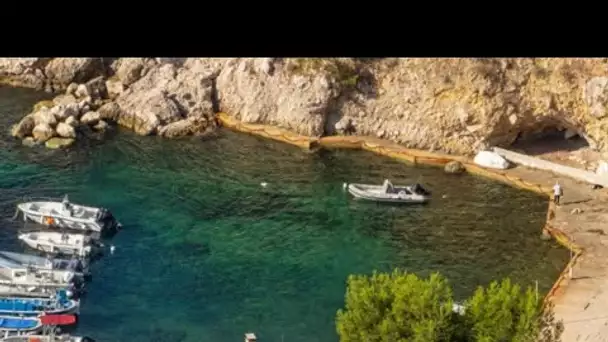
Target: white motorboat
55,242
64,214
389,193
28,291
14,274
78,266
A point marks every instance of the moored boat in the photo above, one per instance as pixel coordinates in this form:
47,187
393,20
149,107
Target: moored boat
54,242
78,266
60,304
20,324
64,214
47,338
17,275
389,193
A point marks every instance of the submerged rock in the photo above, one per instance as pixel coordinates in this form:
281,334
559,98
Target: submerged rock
29,142
55,143
454,167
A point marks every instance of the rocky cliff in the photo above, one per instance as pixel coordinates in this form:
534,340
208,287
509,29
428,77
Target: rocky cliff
454,105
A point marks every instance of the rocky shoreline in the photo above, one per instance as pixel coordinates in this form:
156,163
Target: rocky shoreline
452,105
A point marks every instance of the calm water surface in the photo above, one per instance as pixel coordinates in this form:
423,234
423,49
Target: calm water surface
207,254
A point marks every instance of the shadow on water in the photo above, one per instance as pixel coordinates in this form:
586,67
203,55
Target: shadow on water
208,253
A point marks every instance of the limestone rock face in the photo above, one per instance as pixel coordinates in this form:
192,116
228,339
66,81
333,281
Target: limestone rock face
167,94
115,88
27,72
268,91
63,71
129,70
190,126
456,105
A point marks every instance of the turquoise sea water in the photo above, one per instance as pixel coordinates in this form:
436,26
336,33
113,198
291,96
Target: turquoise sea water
207,254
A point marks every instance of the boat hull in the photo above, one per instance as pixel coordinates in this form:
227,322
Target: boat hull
20,324
61,222
373,193
55,248
81,218
73,309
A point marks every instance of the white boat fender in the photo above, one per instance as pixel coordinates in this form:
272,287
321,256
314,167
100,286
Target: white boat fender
112,249
344,185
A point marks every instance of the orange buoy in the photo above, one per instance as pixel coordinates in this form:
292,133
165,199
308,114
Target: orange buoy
49,220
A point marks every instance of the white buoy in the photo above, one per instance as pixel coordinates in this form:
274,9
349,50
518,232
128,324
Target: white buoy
263,184
112,249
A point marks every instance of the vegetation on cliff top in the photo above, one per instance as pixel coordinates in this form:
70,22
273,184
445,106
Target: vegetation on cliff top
403,307
344,70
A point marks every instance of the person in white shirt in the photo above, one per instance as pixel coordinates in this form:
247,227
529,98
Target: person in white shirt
557,193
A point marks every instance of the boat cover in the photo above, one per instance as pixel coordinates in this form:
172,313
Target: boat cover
18,323
58,319
7,304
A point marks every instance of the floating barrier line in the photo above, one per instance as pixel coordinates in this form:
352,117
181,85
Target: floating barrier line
385,148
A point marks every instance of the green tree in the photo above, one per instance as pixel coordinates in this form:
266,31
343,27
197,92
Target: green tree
396,307
503,312
401,307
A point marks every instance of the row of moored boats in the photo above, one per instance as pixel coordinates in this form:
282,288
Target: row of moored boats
40,290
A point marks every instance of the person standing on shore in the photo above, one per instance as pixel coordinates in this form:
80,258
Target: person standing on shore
557,193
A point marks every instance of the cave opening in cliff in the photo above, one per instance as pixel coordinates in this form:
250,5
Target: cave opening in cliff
557,143
549,139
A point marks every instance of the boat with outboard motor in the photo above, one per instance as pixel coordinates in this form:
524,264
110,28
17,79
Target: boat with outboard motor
60,304
59,243
14,274
64,214
78,266
387,192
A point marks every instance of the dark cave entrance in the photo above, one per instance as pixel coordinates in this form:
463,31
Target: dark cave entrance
559,144
550,139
